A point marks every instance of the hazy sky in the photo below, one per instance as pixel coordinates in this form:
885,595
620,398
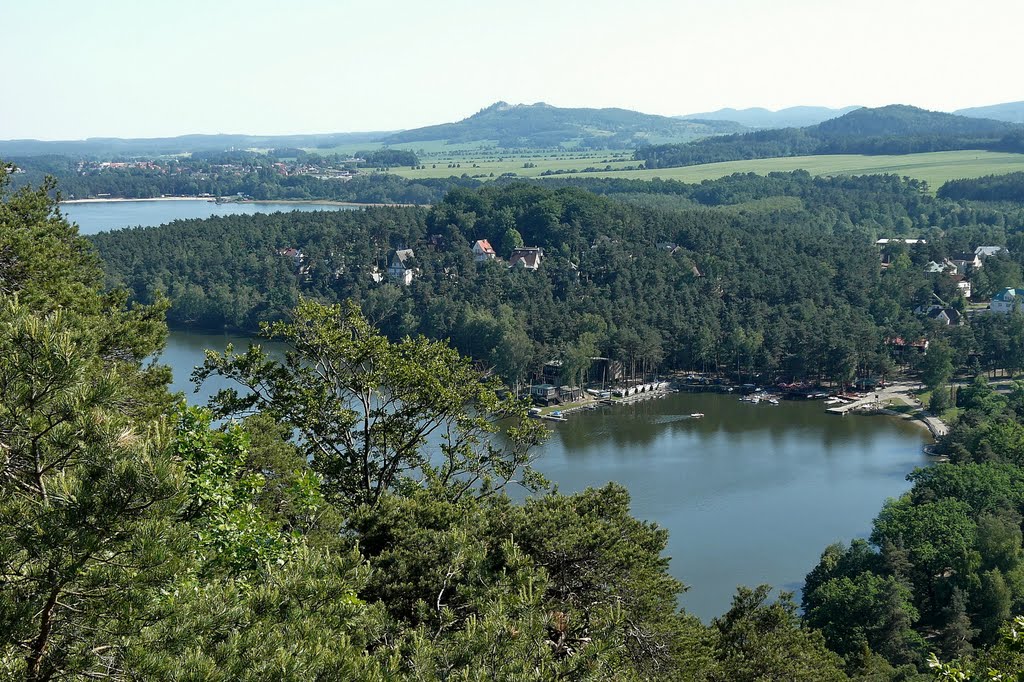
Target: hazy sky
141,68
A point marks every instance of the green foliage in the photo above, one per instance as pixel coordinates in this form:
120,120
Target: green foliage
365,408
221,496
299,621
937,366
1008,187
388,157
757,640
771,273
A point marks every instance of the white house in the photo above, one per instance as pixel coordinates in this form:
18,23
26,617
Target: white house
1006,300
986,251
401,266
964,261
482,251
527,257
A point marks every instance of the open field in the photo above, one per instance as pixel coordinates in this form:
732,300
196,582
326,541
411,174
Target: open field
935,168
526,164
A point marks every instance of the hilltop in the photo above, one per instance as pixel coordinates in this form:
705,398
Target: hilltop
1012,112
759,117
893,129
543,126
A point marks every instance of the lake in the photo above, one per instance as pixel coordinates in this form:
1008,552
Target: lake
99,216
750,494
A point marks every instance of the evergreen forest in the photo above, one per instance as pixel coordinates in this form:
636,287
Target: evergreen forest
296,529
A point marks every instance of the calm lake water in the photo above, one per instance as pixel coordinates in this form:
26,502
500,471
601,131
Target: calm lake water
750,494
100,216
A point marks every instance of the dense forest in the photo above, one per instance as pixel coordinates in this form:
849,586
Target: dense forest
1008,187
893,129
312,538
771,276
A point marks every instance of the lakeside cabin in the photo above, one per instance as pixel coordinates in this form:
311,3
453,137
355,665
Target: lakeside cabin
544,394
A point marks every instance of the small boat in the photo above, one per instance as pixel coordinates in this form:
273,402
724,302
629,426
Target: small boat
772,401
697,415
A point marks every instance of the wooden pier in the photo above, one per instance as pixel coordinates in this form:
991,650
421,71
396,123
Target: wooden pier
859,404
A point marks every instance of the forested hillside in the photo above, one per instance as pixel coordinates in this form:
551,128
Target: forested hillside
543,126
894,129
1008,187
776,275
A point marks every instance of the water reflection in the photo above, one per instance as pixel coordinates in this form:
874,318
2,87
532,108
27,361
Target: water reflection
750,493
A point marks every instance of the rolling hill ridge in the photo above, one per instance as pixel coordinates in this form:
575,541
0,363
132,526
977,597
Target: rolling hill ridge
759,117
893,129
544,126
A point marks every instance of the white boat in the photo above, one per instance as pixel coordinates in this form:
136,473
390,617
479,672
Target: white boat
697,415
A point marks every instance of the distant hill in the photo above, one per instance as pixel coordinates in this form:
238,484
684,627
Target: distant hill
155,146
544,126
758,117
900,119
1012,112
893,129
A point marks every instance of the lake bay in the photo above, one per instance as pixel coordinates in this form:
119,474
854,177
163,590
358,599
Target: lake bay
749,494
100,216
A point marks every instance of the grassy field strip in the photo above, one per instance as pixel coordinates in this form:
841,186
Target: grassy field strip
934,167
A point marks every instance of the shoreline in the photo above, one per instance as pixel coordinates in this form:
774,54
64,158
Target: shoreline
319,202
118,200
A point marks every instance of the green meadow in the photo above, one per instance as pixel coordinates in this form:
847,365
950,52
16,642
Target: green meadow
935,168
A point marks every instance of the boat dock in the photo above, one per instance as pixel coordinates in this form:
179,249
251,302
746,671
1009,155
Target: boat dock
869,403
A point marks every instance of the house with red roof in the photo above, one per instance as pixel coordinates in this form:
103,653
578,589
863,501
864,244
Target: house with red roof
482,251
